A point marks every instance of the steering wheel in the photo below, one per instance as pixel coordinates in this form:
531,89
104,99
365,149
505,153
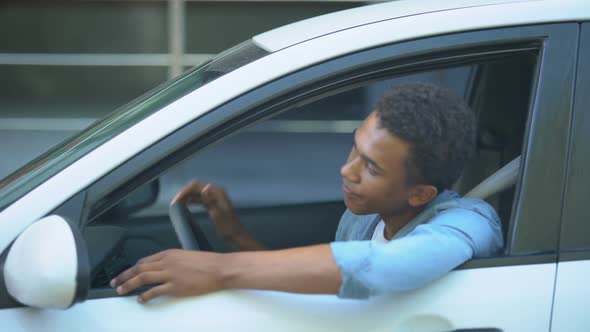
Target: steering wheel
189,233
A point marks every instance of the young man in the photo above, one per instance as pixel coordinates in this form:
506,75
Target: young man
402,229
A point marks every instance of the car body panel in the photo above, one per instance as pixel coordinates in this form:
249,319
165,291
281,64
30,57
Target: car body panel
445,305
490,14
572,296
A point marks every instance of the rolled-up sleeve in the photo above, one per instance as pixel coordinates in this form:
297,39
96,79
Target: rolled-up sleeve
425,254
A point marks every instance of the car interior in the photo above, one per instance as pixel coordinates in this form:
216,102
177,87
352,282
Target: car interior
282,174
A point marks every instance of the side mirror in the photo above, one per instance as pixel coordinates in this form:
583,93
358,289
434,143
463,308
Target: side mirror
47,266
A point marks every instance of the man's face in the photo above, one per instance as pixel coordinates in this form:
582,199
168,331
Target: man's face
374,176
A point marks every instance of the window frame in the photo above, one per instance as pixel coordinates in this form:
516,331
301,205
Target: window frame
574,243
542,181
277,95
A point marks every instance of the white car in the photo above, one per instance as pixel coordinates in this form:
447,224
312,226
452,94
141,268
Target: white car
280,109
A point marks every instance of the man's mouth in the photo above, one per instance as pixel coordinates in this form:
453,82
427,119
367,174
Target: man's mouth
347,192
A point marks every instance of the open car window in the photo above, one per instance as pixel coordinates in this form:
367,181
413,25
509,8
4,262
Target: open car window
282,173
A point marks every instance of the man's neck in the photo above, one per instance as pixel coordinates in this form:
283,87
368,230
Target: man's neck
395,222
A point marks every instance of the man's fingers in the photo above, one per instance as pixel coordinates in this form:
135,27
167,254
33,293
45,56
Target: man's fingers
200,193
154,292
191,193
206,195
186,195
153,258
137,269
142,279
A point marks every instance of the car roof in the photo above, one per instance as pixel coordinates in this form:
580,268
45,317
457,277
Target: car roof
302,31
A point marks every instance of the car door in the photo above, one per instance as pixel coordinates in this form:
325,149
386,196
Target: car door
572,291
481,294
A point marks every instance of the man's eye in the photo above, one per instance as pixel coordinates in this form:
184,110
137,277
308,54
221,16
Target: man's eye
371,170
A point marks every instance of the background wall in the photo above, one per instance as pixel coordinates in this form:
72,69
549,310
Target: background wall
64,64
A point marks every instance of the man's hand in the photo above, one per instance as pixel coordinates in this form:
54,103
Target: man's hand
221,212
178,272
185,273
215,199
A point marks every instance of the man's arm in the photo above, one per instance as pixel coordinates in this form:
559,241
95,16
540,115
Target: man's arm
426,254
183,273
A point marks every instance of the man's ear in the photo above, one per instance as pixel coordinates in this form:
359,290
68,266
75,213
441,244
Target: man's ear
421,195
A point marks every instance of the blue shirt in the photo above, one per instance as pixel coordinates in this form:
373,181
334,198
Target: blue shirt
448,232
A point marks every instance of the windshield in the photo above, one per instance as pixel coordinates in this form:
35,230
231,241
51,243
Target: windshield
50,163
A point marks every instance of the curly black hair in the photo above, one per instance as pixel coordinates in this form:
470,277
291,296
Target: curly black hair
439,127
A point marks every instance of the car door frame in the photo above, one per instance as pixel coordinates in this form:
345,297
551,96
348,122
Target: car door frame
572,290
258,104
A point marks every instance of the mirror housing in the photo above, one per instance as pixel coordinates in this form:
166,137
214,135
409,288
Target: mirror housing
47,265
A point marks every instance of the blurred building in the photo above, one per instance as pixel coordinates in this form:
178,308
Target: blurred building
64,64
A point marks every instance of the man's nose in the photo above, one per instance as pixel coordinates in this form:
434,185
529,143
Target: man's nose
350,169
